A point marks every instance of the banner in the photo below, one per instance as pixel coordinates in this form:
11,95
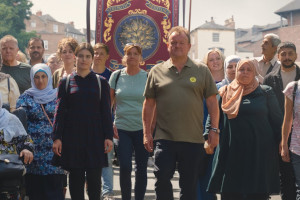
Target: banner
145,22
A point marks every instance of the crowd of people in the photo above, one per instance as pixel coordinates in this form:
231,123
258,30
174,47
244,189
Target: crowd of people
228,125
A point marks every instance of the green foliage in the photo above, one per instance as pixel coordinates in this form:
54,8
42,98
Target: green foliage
12,15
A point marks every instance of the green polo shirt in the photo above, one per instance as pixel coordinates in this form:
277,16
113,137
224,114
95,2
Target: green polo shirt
179,100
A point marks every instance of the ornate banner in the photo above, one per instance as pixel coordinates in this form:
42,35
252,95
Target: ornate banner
145,22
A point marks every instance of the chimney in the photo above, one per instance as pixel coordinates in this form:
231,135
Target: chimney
39,13
230,23
71,23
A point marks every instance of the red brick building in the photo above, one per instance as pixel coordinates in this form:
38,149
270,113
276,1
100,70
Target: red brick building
51,31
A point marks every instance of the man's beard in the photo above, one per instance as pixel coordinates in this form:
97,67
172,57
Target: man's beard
288,66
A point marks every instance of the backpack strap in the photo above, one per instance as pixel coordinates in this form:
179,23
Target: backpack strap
98,81
99,84
117,78
67,82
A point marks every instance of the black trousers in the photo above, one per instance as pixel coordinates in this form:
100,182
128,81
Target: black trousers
287,180
166,155
46,187
77,181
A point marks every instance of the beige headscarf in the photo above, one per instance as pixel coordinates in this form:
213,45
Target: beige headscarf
232,94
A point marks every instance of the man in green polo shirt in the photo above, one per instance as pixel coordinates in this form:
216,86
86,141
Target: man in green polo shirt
175,89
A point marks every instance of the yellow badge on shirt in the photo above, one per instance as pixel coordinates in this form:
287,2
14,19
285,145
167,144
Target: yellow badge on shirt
193,79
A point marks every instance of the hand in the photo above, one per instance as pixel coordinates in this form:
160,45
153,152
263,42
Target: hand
116,135
148,142
285,155
213,139
28,156
56,147
108,145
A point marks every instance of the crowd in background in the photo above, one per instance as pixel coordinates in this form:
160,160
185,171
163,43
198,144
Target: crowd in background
228,125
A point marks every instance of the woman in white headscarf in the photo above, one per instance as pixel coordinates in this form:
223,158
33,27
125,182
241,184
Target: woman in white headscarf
13,140
229,69
43,181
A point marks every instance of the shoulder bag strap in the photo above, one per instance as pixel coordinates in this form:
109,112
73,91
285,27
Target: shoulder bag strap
46,115
294,96
270,69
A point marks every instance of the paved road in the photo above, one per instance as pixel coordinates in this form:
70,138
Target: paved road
150,193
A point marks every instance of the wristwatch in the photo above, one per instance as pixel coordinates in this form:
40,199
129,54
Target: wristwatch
216,130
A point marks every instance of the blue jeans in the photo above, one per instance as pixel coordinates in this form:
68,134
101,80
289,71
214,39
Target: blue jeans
129,141
107,176
188,156
296,166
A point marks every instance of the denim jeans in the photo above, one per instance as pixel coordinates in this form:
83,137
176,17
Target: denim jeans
296,166
107,176
129,141
188,156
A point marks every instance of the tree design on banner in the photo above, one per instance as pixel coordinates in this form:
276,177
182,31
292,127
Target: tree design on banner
144,22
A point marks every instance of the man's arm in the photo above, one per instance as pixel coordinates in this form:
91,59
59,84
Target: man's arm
149,108
213,111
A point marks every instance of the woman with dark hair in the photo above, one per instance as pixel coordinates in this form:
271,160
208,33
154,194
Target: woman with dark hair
83,129
127,87
43,181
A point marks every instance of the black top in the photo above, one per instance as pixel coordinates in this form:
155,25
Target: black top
83,122
274,80
21,74
246,160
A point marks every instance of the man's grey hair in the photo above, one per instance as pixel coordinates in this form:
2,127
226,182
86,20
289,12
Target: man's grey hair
274,39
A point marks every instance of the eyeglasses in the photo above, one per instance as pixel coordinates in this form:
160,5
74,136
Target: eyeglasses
133,44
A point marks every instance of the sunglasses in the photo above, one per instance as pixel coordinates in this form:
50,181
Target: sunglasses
134,44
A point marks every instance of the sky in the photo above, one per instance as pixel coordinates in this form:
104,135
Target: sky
246,13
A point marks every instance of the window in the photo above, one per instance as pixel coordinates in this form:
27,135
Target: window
46,44
33,24
55,28
215,37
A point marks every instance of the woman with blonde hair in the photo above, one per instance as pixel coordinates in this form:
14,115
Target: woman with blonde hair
127,88
65,52
214,59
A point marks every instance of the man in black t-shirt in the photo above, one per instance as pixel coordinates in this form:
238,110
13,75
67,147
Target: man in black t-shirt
19,71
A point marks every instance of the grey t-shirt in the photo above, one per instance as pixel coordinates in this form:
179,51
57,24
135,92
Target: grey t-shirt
21,74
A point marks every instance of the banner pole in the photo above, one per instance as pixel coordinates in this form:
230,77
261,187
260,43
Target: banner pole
183,11
88,26
190,15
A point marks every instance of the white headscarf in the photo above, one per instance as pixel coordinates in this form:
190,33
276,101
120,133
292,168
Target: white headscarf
227,62
45,95
10,124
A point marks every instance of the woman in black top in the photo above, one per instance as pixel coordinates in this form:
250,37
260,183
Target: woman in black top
82,131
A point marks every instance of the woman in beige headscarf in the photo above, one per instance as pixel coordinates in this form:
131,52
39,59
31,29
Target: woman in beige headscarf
246,161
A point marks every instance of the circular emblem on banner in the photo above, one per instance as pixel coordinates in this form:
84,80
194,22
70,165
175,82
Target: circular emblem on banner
138,29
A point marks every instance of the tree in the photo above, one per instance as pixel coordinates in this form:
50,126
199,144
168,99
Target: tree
12,15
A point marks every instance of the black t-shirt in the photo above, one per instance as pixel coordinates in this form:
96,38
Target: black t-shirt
21,74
